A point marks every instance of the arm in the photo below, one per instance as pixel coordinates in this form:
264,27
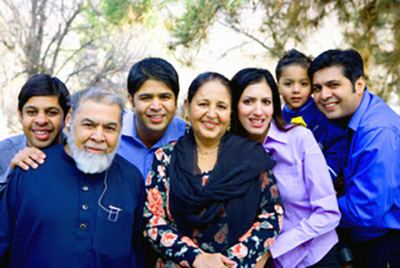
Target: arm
336,148
372,179
324,214
137,225
158,226
7,216
28,157
255,243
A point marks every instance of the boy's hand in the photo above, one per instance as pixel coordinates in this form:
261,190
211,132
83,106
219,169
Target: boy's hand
28,157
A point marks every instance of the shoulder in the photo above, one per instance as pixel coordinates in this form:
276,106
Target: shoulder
126,166
379,115
12,142
179,124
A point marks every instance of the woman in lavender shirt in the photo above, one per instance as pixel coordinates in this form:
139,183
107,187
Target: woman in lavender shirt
311,213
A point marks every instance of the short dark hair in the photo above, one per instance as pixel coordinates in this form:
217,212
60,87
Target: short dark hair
153,69
203,78
240,81
291,57
44,85
350,60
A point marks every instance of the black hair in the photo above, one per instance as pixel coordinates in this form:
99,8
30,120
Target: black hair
153,69
350,60
240,81
203,78
291,57
44,85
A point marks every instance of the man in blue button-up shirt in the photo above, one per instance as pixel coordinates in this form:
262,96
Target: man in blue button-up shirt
153,88
84,206
370,205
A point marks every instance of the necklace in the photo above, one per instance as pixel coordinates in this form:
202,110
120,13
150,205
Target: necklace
204,154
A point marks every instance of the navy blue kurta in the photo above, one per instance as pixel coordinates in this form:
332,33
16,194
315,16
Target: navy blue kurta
50,217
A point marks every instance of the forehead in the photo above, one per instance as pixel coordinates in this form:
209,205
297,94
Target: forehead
213,89
260,90
154,87
329,74
98,112
294,70
42,102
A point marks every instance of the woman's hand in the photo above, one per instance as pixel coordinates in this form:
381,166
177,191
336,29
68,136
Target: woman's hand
214,260
261,262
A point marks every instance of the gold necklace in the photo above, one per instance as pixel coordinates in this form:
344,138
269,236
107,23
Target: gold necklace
204,154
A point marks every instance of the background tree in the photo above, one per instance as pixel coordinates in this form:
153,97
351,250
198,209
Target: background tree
371,27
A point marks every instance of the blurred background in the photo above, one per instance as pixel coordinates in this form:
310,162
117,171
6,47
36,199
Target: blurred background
95,42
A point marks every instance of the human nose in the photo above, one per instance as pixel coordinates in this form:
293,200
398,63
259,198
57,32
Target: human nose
156,104
296,88
98,134
211,113
41,118
326,93
257,109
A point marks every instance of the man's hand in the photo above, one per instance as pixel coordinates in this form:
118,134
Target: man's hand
28,157
215,260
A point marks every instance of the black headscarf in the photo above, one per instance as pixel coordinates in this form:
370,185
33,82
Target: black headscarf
233,184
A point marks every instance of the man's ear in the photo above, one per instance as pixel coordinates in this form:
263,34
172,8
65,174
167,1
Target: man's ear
68,120
360,85
130,99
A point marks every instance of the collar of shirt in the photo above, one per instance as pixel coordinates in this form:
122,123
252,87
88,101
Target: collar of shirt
359,113
275,134
129,129
292,113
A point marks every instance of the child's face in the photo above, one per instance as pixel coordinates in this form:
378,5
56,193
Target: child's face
294,86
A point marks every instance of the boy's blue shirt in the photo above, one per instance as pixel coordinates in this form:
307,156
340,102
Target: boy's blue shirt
331,138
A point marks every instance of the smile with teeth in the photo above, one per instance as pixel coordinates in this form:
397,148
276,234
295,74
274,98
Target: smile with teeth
209,124
257,122
330,105
42,134
156,118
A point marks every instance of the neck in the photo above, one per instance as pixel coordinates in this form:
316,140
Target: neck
206,146
148,137
258,138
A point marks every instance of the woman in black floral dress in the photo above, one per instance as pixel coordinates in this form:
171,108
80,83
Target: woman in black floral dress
212,200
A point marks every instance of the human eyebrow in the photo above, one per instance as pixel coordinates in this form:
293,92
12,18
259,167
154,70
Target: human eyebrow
145,95
88,120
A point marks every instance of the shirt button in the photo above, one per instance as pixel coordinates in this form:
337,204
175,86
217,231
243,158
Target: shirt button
85,207
85,188
82,226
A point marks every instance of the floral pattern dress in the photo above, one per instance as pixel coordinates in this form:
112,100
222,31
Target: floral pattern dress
176,250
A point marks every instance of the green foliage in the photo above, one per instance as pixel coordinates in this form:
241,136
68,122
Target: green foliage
372,27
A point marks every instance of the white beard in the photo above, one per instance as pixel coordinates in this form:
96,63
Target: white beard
89,162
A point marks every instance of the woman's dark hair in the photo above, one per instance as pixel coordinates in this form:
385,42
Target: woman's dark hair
203,78
291,57
240,82
153,69
44,85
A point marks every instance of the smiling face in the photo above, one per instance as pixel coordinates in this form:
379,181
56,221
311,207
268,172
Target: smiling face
255,110
335,95
96,127
209,112
154,106
294,86
42,120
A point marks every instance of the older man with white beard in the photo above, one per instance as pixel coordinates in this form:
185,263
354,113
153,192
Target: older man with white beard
83,206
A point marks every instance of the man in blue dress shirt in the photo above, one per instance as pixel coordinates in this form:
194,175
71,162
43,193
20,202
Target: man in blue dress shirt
42,108
153,89
83,207
370,206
